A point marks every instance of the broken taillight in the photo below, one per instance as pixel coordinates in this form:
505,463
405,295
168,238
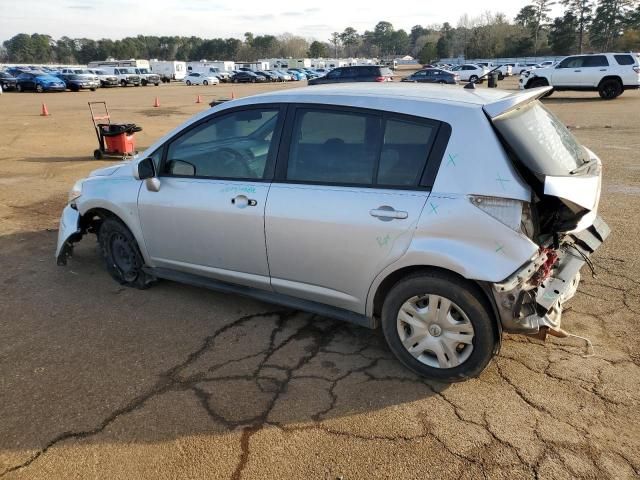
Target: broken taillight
636,69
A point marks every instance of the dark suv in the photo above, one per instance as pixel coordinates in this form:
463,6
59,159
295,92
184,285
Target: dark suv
360,73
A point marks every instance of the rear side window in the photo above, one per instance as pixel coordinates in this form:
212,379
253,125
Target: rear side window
596,61
333,147
624,59
404,152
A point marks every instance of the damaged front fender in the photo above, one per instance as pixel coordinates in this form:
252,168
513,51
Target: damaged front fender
69,232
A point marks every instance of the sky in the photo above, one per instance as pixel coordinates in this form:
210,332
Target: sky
229,18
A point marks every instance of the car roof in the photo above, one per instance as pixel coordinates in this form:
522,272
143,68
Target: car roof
386,92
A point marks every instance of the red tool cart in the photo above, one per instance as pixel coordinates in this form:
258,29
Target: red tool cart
114,139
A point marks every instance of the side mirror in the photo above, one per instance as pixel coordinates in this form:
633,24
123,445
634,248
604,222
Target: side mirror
146,169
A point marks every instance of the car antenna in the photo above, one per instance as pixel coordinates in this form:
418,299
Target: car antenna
472,84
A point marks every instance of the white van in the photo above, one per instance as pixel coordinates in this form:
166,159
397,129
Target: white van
126,75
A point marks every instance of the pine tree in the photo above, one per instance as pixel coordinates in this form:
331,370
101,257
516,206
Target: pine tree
583,11
609,21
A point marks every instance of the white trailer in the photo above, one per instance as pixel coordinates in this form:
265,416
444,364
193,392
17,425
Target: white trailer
168,70
258,66
203,66
120,63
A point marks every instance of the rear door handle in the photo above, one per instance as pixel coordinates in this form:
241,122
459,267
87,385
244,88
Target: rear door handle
603,69
577,70
386,213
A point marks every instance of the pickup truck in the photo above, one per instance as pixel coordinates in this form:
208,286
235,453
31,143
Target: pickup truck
609,74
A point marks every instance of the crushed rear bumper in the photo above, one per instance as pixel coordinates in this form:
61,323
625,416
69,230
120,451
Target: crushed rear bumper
527,307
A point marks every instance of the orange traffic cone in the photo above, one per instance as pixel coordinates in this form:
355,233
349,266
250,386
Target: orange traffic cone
198,100
45,112
156,103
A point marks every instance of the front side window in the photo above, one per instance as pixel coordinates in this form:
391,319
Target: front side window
333,147
236,145
572,62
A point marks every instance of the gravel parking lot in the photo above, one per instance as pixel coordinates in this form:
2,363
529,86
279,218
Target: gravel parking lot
100,381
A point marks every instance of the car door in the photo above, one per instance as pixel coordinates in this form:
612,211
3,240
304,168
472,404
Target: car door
345,200
595,67
568,73
420,77
207,217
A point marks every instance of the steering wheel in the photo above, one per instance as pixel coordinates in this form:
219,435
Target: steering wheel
234,163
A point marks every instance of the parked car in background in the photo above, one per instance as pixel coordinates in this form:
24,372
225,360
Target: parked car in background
432,75
269,77
505,70
147,77
75,83
322,71
442,258
196,78
222,75
296,75
7,81
280,76
470,72
609,74
548,63
39,82
360,73
518,68
105,79
243,76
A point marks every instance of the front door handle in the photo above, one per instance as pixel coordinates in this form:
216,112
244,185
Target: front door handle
577,70
386,213
242,201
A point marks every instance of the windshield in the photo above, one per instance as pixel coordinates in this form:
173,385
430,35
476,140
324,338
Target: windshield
540,140
125,70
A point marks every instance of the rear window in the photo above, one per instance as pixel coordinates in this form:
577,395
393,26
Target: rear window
624,59
540,140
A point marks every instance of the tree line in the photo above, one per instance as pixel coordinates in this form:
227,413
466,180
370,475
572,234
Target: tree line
584,26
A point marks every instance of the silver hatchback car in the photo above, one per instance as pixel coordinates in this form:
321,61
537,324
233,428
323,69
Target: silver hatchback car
446,216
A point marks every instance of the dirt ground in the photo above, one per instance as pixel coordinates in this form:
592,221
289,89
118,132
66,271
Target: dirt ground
99,381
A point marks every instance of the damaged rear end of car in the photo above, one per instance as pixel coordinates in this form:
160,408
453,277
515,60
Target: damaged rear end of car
565,179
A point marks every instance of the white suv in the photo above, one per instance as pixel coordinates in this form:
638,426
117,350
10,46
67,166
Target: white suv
470,72
607,73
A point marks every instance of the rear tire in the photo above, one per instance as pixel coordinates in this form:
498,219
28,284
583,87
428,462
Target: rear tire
610,89
121,254
39,88
123,83
97,154
432,336
473,78
204,82
188,82
19,88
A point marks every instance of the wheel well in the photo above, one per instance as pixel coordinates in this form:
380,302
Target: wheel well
482,288
610,77
94,217
533,80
